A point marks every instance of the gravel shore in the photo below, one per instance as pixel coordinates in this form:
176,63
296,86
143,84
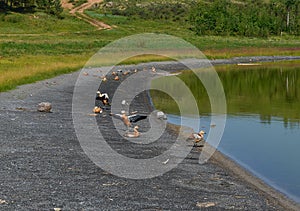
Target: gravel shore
44,167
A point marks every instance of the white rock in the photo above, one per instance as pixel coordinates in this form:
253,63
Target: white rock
161,115
44,107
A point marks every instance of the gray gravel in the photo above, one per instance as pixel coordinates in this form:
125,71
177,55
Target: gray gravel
43,166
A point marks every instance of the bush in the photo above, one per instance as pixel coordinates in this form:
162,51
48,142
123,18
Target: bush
13,18
173,11
255,18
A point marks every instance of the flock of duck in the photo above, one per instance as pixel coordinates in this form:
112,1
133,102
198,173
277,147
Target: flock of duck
132,131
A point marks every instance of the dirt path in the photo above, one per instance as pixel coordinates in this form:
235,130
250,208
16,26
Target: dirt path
79,13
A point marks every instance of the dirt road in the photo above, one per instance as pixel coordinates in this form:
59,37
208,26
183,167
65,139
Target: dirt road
79,13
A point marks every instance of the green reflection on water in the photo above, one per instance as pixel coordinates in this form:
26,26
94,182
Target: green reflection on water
266,90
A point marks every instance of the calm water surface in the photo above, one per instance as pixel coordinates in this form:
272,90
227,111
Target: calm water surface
262,131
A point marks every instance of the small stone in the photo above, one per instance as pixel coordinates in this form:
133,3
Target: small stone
240,197
3,201
165,162
92,114
161,115
205,204
21,109
45,107
57,209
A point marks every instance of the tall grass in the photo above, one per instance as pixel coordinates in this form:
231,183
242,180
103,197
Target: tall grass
28,69
14,23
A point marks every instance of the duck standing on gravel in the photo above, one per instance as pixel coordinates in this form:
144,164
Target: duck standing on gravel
129,119
103,97
198,136
97,109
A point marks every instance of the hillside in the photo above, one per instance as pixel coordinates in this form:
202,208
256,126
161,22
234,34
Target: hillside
35,44
218,17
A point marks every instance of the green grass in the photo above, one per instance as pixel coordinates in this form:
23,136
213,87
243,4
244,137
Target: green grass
145,58
28,69
211,46
38,46
40,23
28,41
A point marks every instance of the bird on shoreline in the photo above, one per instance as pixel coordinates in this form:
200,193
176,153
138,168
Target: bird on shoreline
198,136
126,73
103,97
127,120
97,110
133,134
153,69
104,79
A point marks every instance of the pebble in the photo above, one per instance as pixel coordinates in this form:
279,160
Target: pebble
44,107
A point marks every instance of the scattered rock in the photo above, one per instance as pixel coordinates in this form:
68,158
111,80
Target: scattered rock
111,184
205,204
3,201
123,102
165,162
92,114
216,178
161,115
240,197
21,109
44,107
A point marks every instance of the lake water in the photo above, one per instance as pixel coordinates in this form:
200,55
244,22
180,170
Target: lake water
262,131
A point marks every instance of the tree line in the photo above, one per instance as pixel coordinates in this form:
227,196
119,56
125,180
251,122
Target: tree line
150,10
216,17
255,18
29,6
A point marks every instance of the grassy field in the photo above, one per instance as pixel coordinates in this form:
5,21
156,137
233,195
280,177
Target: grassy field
38,46
28,69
